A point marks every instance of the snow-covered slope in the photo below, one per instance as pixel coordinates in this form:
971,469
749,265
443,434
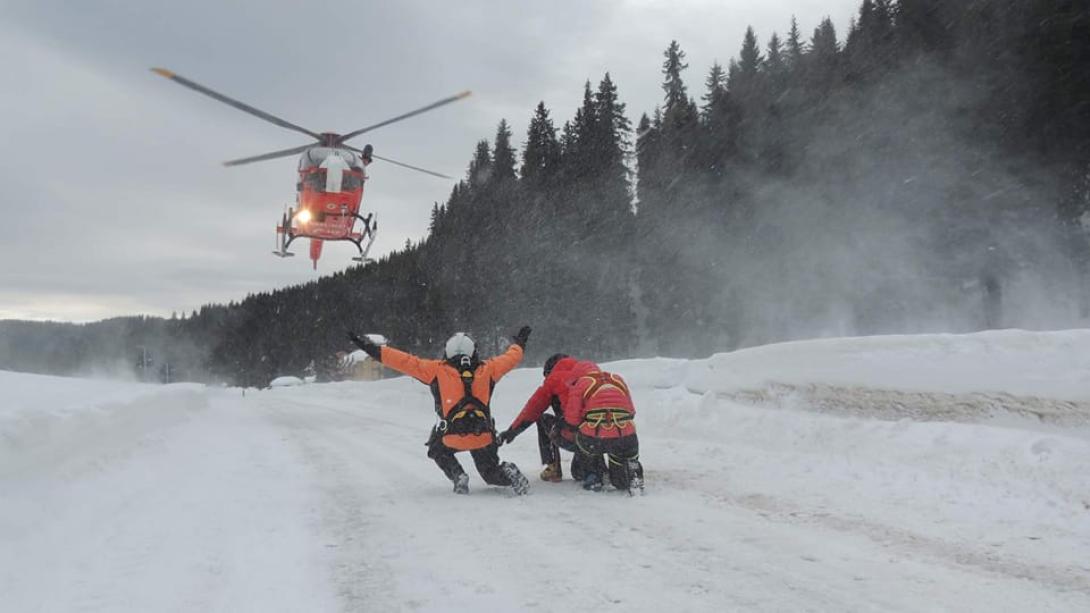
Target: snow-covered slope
885,473
51,419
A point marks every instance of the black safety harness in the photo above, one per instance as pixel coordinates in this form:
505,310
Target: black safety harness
469,415
605,418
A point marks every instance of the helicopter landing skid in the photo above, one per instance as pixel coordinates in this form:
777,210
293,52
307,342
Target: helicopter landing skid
369,234
285,236
282,243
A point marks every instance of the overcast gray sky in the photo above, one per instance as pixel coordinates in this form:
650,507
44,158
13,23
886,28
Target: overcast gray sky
113,197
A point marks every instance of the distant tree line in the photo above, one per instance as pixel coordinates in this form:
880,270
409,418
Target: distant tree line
930,170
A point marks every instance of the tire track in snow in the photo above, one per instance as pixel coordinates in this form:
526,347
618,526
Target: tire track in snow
1064,578
335,447
683,546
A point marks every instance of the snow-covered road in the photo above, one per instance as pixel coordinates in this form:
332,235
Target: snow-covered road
320,498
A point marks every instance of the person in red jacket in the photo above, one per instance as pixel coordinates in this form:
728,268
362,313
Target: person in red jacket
553,433
596,420
462,385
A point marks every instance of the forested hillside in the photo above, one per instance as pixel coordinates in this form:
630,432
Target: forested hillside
928,170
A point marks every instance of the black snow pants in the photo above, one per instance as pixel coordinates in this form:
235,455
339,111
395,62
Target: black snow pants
550,442
621,454
487,460
549,438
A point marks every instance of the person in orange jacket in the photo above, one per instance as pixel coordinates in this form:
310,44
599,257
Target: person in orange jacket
462,385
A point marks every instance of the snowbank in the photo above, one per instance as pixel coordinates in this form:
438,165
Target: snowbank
1044,376
979,441
1046,364
47,419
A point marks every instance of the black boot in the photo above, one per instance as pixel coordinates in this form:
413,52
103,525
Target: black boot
451,467
635,476
577,470
461,484
592,482
519,483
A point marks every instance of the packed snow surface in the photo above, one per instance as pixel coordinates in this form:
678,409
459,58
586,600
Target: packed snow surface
885,473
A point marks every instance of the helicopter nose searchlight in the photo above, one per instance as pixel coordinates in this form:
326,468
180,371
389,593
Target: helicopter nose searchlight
331,178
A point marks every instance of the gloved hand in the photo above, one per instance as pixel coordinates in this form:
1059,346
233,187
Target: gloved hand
522,336
367,345
505,437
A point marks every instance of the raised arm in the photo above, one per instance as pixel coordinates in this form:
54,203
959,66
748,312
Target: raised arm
421,370
504,363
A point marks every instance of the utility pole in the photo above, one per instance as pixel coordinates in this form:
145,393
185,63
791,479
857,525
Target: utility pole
143,363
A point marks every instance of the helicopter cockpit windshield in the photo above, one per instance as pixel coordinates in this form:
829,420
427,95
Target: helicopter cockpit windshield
316,155
332,170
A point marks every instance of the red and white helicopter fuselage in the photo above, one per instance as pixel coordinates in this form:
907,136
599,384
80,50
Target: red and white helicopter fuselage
327,202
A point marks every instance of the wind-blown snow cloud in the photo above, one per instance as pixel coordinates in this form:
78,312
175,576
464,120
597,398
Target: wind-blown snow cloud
112,193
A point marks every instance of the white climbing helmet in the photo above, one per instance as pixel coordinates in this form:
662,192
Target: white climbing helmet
460,344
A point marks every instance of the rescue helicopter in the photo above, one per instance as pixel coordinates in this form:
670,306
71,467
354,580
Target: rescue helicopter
331,177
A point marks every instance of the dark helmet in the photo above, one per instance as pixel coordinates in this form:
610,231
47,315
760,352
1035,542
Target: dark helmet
550,364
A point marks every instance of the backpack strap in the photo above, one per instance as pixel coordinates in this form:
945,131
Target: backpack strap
469,415
601,380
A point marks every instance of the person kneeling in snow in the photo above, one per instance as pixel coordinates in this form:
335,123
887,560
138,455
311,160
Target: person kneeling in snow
462,385
594,418
553,432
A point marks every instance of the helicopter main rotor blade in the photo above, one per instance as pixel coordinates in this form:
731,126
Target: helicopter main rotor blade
418,111
416,168
235,103
268,156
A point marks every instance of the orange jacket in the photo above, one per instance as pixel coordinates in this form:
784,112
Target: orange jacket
446,383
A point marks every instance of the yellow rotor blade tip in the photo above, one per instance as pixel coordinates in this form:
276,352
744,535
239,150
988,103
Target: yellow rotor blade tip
163,72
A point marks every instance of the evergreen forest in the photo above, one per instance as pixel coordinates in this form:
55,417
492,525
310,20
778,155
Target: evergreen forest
927,170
